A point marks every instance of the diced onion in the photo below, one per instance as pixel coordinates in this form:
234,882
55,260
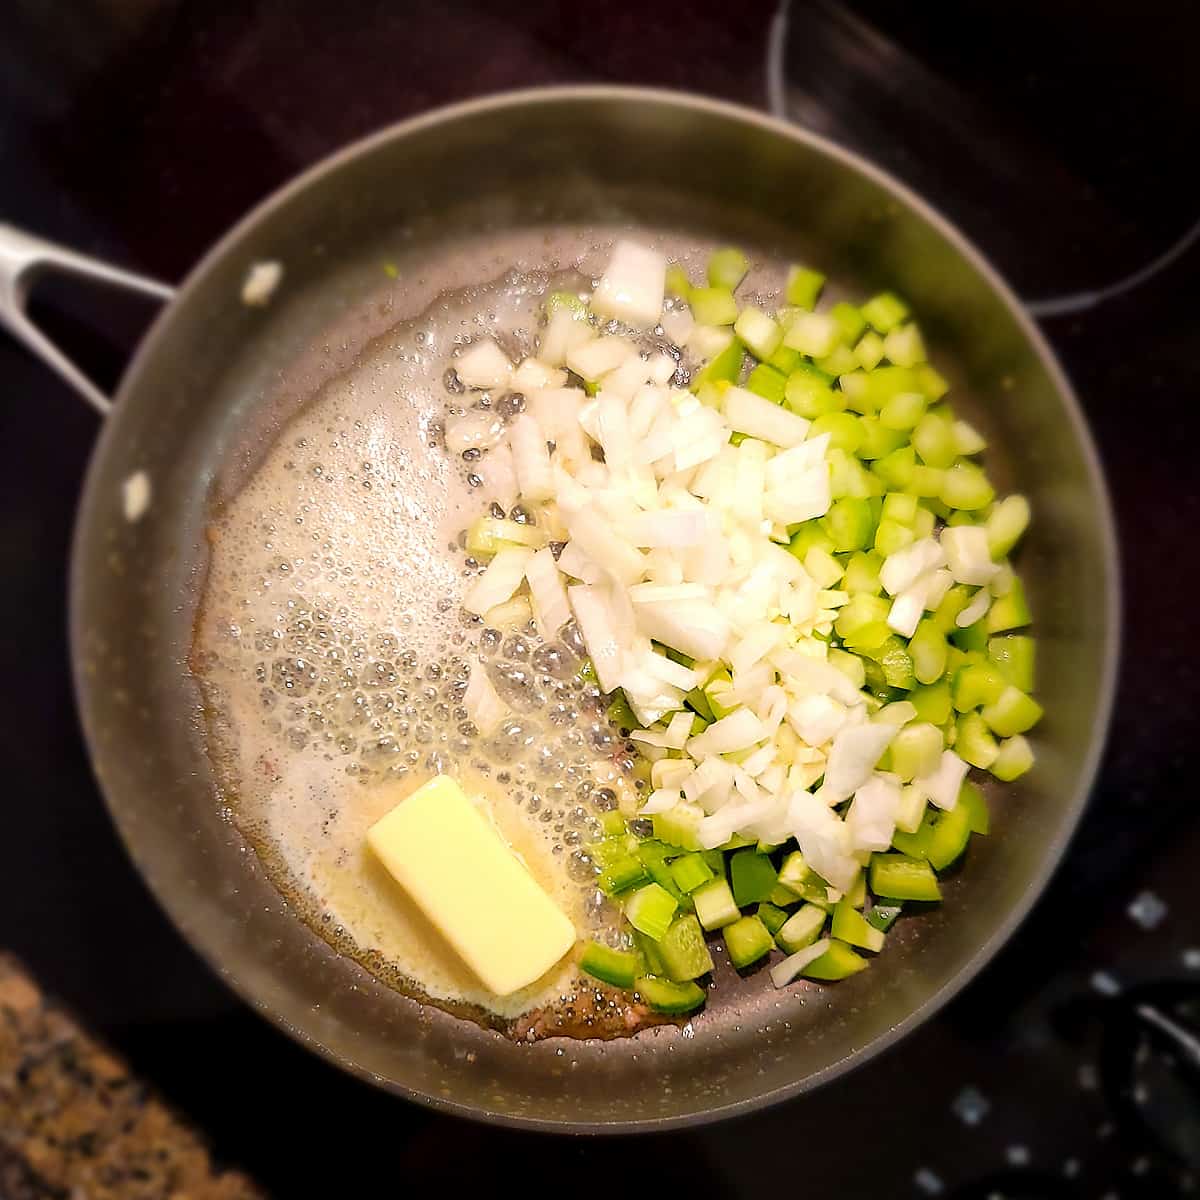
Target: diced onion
565,330
816,718
787,969
475,430
482,702
633,285
968,554
483,365
672,773
942,787
678,326
593,611
600,543
907,610
679,730
532,374
531,458
903,568
852,758
872,815
575,564
550,607
499,581
693,627
738,731
800,499
659,801
499,475
752,415
594,358
976,610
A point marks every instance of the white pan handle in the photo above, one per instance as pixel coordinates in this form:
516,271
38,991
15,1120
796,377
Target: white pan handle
22,256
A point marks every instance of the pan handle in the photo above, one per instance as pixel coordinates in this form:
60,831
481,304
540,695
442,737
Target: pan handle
22,257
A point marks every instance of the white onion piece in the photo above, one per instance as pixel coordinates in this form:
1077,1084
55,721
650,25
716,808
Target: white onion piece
499,581
531,459
593,611
807,676
650,737
600,543
659,801
872,815
709,784
663,567
475,430
707,341
755,417
937,584
672,773
800,499
748,789
532,375
648,402
903,568
662,368
598,356
748,685
575,564
738,731
499,475
679,729
633,285
787,969
749,482
823,838
790,463
755,763
708,562
632,374
511,614
482,702
665,670
852,758
774,778
816,718
699,448
550,607
758,641
663,593
483,365
907,610
693,627
556,409
717,829
612,424
565,330
669,530
943,785
652,706
967,552
976,610
678,325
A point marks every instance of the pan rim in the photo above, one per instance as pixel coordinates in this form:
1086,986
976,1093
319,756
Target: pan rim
1052,851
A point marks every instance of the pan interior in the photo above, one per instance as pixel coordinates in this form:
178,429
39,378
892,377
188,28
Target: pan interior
332,648
215,387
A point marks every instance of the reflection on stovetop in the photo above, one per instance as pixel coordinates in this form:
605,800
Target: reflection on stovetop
1052,134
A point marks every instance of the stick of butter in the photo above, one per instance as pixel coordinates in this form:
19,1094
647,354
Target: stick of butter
449,859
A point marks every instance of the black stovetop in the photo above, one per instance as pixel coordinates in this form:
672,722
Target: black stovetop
1058,136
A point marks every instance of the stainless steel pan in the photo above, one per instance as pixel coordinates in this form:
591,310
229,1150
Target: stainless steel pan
214,378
